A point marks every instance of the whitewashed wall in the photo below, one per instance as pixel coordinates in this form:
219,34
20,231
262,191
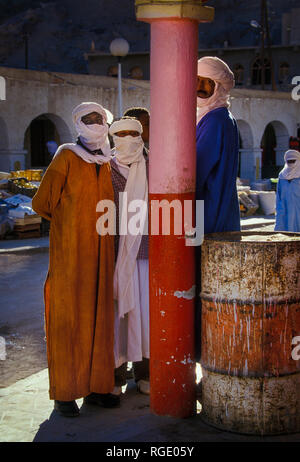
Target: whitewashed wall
30,94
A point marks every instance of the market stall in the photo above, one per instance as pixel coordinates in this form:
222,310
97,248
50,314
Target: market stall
257,198
17,218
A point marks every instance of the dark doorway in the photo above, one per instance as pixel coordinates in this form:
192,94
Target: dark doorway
268,145
41,130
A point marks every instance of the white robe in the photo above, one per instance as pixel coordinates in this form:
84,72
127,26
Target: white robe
132,331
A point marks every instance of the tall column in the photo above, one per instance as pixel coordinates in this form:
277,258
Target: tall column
247,167
173,70
279,152
257,158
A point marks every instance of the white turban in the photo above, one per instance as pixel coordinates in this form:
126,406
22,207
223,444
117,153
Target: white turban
126,124
217,70
291,171
93,136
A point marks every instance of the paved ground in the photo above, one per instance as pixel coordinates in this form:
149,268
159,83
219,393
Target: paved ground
26,414
262,222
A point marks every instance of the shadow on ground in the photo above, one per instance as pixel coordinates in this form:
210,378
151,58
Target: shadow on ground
134,422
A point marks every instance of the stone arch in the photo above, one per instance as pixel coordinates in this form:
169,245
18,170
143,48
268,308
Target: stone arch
246,141
274,143
3,135
62,128
246,134
43,128
5,164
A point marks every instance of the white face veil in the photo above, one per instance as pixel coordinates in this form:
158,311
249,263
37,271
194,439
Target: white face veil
217,70
291,171
93,136
129,151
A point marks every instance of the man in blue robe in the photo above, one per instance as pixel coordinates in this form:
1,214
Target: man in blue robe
217,159
217,147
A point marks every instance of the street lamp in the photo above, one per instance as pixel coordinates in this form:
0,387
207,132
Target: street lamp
255,24
119,47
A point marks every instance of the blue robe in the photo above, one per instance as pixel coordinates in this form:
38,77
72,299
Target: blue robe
288,205
217,165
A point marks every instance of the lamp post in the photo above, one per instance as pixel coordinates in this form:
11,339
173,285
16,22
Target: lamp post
256,25
265,35
119,47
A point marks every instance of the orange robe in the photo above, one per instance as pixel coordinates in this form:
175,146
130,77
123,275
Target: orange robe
79,311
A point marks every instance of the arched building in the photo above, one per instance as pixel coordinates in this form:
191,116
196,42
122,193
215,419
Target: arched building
39,105
38,108
266,120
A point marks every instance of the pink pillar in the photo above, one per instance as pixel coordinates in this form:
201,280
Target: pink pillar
172,177
173,105
174,41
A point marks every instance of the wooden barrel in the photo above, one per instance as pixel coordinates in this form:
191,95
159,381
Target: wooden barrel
250,315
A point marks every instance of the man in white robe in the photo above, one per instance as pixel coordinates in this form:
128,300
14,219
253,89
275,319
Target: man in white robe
131,284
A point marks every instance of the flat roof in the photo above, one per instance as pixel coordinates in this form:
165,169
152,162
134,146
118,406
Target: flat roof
200,50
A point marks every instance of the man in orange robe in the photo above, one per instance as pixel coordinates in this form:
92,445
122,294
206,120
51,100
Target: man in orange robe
79,310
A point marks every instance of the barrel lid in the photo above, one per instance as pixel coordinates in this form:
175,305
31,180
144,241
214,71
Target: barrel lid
253,236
